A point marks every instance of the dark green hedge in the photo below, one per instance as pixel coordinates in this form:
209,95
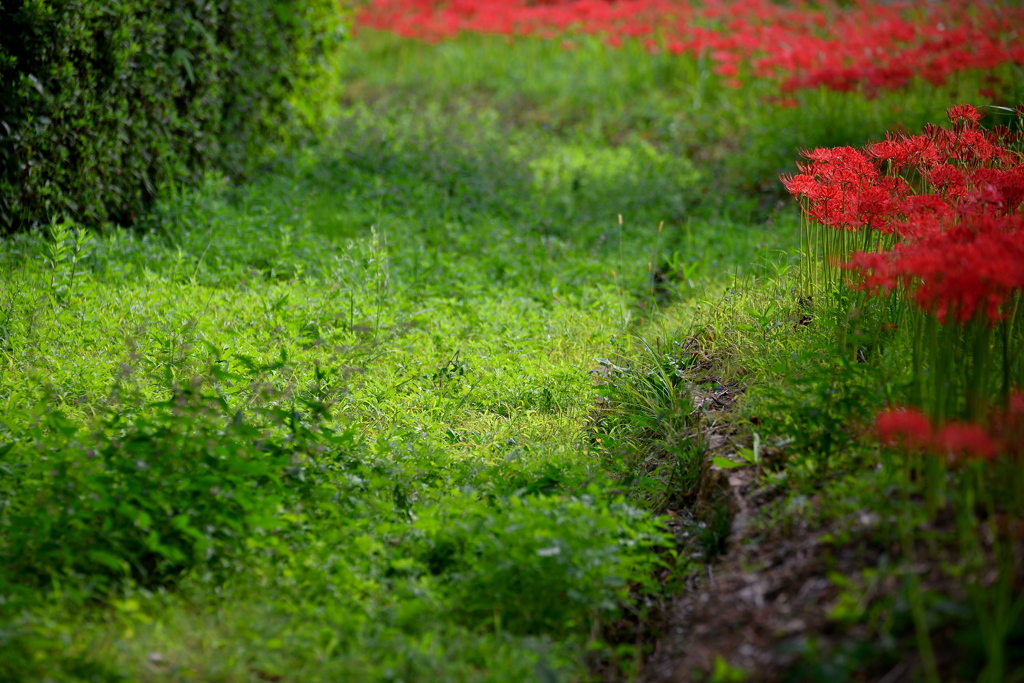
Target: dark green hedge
103,102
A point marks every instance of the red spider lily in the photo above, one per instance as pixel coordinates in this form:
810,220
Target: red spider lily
1002,433
868,46
925,214
846,189
1003,188
949,180
967,114
973,268
960,440
904,427
961,245
905,151
951,200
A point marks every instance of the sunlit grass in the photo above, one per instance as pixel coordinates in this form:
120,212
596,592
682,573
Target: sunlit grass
447,277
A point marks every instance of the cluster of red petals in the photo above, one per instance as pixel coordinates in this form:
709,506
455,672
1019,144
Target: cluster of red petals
1001,435
841,46
974,267
845,188
960,233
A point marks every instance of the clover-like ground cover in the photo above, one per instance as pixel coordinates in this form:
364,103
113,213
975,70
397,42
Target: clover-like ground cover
418,402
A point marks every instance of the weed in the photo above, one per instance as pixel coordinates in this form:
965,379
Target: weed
65,251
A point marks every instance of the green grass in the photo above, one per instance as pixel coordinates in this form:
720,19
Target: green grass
737,136
435,285
342,421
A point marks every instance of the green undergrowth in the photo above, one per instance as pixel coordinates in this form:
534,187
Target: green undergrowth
386,412
333,425
924,558
741,136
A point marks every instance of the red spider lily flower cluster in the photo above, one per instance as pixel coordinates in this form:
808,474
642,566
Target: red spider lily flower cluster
956,442
959,245
866,45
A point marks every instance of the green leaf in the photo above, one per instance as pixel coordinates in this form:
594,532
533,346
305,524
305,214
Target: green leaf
727,464
108,560
184,59
60,424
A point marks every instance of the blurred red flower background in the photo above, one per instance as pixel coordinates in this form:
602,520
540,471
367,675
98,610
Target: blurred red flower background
862,45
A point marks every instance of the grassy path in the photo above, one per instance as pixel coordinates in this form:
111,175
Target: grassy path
338,423
415,310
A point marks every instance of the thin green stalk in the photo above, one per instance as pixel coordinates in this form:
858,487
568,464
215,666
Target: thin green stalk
996,607
1006,327
979,373
924,641
917,359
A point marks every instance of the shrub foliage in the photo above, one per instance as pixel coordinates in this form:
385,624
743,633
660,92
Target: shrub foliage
104,103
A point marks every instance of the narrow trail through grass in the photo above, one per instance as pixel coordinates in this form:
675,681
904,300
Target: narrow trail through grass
431,293
350,420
